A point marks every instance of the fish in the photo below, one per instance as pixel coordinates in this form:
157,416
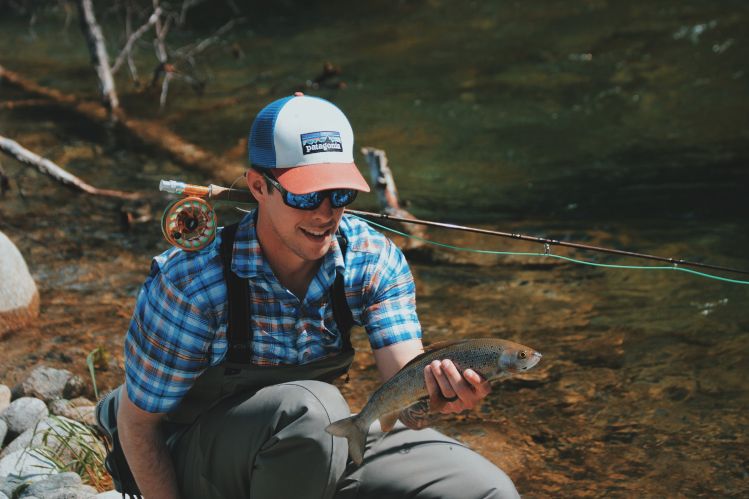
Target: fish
491,358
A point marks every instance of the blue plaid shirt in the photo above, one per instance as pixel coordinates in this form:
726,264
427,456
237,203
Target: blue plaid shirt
178,327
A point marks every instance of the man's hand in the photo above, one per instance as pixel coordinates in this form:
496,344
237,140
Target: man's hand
452,392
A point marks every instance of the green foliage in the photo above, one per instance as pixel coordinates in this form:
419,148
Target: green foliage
74,446
95,358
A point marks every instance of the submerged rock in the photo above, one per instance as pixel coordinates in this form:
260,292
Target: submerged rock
19,297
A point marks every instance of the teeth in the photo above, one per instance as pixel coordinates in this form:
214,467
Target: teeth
315,233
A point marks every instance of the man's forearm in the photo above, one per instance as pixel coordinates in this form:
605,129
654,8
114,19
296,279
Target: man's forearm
146,451
149,461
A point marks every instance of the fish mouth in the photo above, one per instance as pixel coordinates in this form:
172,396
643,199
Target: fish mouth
535,359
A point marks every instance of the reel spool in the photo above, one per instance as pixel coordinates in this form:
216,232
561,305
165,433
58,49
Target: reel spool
189,223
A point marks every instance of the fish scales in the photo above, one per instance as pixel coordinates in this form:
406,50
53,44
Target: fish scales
490,357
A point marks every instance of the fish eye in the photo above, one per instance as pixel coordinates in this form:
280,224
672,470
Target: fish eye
522,354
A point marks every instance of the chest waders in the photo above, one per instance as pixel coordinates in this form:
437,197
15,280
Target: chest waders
236,374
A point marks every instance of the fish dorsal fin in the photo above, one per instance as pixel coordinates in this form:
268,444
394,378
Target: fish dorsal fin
438,345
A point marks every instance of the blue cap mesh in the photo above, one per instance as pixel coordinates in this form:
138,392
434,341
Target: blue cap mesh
262,149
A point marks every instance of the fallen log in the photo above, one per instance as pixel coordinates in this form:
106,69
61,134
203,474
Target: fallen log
47,167
149,133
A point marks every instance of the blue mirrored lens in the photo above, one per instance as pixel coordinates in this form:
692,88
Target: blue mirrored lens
342,197
338,198
304,201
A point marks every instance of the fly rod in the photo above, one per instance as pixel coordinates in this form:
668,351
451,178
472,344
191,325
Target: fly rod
543,240
190,223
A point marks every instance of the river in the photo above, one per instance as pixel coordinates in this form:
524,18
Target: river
613,123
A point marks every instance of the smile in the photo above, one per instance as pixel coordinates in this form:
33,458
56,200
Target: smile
316,234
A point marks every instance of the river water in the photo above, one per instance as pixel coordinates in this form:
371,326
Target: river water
614,123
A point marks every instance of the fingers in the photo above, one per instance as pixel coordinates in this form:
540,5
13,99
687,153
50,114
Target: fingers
445,382
446,378
436,401
481,387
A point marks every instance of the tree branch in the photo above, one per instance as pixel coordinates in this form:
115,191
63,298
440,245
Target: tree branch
152,134
99,57
189,51
153,19
47,167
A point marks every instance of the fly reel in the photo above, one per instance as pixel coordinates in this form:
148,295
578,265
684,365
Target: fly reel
189,223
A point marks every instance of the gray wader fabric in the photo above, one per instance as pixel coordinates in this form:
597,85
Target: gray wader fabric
422,464
262,442
259,431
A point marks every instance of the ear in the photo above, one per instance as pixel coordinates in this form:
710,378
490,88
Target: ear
256,184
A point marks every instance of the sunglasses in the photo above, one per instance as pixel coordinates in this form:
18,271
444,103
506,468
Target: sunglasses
312,200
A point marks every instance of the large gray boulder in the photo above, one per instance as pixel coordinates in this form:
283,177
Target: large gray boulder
19,297
22,414
3,432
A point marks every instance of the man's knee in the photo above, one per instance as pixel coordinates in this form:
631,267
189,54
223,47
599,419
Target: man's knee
318,403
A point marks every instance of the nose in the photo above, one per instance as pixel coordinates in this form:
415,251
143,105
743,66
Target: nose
325,210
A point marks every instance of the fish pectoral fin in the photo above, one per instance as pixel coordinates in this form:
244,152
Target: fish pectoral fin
417,415
388,420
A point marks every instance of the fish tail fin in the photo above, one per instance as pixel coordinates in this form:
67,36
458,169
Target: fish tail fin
349,428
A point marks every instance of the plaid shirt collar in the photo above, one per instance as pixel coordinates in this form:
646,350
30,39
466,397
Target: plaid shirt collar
248,261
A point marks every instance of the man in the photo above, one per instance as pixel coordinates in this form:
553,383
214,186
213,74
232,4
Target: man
227,391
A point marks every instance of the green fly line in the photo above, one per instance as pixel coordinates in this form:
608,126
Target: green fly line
548,254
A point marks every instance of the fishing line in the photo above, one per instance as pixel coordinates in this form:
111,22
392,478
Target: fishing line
190,223
549,254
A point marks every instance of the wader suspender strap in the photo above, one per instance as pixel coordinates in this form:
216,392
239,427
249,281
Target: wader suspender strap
341,311
238,291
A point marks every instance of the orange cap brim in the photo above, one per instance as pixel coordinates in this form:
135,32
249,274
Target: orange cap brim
320,177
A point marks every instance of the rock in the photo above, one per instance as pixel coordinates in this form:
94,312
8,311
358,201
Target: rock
75,387
110,494
22,414
3,496
63,437
79,409
3,431
61,486
19,298
47,383
4,397
29,464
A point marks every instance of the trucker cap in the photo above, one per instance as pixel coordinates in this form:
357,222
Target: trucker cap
308,143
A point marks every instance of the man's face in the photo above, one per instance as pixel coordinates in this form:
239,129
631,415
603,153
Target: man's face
306,233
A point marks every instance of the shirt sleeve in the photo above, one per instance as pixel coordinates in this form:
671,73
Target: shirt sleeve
389,301
167,346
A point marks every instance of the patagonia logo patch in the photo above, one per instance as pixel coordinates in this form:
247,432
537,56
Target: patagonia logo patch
321,142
